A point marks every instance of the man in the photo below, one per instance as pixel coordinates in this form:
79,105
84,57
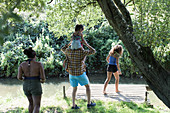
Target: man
77,70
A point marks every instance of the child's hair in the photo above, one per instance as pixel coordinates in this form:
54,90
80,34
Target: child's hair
30,53
78,27
116,49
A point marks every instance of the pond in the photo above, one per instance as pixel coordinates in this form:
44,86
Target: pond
12,87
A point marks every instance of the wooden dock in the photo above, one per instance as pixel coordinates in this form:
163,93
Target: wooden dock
129,92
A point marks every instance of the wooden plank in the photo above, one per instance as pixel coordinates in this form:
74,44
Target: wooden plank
129,92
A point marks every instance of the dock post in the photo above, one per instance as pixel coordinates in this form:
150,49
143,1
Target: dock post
146,96
64,92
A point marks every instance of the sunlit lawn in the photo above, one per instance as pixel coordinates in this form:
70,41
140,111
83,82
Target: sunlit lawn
56,104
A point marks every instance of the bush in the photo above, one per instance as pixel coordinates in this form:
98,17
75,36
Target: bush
47,47
12,55
102,39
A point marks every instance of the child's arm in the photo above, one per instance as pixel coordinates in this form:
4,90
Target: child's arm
82,38
92,50
70,42
107,58
117,62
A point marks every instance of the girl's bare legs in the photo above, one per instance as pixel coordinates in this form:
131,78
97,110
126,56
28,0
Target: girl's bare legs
116,74
109,76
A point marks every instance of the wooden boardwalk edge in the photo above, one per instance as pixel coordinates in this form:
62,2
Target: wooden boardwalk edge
129,92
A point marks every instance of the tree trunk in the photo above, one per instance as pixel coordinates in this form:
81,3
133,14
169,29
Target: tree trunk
155,75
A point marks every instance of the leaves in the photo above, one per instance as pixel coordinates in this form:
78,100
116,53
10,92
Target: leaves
151,25
65,14
11,11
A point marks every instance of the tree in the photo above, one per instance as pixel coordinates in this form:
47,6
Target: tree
155,75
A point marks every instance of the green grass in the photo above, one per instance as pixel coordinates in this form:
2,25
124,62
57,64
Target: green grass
64,106
55,103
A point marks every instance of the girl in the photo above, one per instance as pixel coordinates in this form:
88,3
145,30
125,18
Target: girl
113,67
77,35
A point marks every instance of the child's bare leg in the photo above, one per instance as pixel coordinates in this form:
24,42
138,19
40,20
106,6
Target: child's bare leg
109,76
116,74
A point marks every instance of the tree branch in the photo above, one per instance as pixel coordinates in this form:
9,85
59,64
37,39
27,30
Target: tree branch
104,6
18,2
90,3
114,17
124,12
118,18
82,7
129,2
49,2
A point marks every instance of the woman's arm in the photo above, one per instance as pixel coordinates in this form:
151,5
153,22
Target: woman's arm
42,74
107,58
19,76
117,62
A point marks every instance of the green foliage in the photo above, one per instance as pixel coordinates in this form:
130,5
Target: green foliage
102,37
63,15
12,54
151,25
11,11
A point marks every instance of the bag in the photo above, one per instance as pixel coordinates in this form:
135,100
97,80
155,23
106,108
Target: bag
65,64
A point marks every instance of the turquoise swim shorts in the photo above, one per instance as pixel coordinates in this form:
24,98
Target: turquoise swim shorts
81,79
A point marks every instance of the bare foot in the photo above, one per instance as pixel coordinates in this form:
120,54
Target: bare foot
104,92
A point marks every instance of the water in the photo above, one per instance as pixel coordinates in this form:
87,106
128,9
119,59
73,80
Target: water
13,87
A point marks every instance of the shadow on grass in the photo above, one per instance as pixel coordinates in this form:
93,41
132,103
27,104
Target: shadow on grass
101,107
52,109
16,110
133,106
68,101
47,109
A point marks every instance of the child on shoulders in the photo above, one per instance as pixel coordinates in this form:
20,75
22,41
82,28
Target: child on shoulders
77,37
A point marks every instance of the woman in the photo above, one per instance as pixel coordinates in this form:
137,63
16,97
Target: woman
113,67
32,73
